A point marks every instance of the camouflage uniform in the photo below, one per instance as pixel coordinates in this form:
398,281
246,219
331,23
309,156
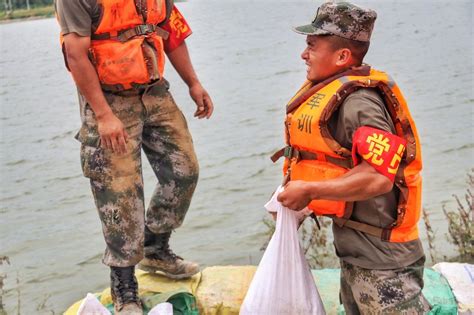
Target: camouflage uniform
155,123
393,291
369,291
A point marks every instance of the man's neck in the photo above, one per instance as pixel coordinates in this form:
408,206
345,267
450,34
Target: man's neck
363,69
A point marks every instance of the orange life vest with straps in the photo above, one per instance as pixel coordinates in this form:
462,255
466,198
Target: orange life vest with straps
127,46
313,154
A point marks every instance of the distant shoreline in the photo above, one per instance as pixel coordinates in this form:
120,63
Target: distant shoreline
31,18
32,14
26,15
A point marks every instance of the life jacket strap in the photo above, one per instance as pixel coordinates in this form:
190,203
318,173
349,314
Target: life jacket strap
292,152
362,70
135,86
277,155
127,34
383,234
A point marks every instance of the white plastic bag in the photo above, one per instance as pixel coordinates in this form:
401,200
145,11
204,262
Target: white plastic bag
91,306
164,308
461,280
283,283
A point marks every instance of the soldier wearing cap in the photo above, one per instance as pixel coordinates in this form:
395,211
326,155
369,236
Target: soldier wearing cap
350,137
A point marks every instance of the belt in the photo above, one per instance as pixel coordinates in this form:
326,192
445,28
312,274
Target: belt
292,152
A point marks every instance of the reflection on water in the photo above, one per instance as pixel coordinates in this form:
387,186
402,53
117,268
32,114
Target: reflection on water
249,61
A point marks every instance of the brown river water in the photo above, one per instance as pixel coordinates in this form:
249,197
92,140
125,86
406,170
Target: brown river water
249,60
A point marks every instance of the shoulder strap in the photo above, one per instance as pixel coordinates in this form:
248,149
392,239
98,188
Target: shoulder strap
169,8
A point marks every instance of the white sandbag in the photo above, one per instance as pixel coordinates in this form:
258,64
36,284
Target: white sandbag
164,308
461,280
283,283
91,306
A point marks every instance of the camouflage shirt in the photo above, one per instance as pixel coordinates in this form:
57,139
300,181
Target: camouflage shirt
366,108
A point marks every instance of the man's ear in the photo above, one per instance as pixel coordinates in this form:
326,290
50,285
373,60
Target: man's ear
344,57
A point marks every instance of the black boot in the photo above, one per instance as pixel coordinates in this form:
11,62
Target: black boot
150,239
158,245
124,290
160,257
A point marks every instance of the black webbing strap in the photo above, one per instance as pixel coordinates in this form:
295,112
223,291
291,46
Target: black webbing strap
383,234
142,29
169,8
135,86
291,152
277,155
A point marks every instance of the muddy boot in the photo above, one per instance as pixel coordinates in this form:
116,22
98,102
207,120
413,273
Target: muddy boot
159,257
124,290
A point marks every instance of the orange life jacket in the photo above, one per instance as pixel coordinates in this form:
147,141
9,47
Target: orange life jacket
313,154
127,46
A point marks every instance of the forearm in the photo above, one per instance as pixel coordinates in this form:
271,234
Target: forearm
354,187
181,61
111,129
86,79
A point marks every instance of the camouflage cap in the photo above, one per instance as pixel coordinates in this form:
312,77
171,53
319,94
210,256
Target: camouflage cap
342,19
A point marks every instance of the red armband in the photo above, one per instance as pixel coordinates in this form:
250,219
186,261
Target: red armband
381,149
178,29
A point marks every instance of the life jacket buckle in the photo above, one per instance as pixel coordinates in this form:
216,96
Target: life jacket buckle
144,29
139,30
288,152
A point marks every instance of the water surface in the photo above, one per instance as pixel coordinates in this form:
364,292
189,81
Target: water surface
248,59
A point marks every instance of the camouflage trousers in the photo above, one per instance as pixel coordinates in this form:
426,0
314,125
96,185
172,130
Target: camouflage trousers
393,291
155,124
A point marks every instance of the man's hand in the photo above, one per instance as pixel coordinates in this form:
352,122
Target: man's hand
111,130
180,60
360,183
112,133
296,195
203,101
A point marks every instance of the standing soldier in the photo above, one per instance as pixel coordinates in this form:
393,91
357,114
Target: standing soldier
353,154
115,51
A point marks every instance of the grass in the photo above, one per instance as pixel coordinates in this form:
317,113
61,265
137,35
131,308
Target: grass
42,307
44,11
430,234
460,223
3,260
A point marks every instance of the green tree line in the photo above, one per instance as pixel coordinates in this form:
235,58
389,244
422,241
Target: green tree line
11,5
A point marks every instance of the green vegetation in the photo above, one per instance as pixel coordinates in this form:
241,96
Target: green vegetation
3,260
460,227
22,9
46,11
10,5
460,223
317,248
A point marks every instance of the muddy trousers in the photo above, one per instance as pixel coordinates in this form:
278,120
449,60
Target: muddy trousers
392,291
155,124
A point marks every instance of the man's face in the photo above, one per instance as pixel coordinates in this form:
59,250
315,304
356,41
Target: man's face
319,58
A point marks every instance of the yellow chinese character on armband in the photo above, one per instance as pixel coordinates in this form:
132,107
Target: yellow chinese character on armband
177,24
396,160
378,144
